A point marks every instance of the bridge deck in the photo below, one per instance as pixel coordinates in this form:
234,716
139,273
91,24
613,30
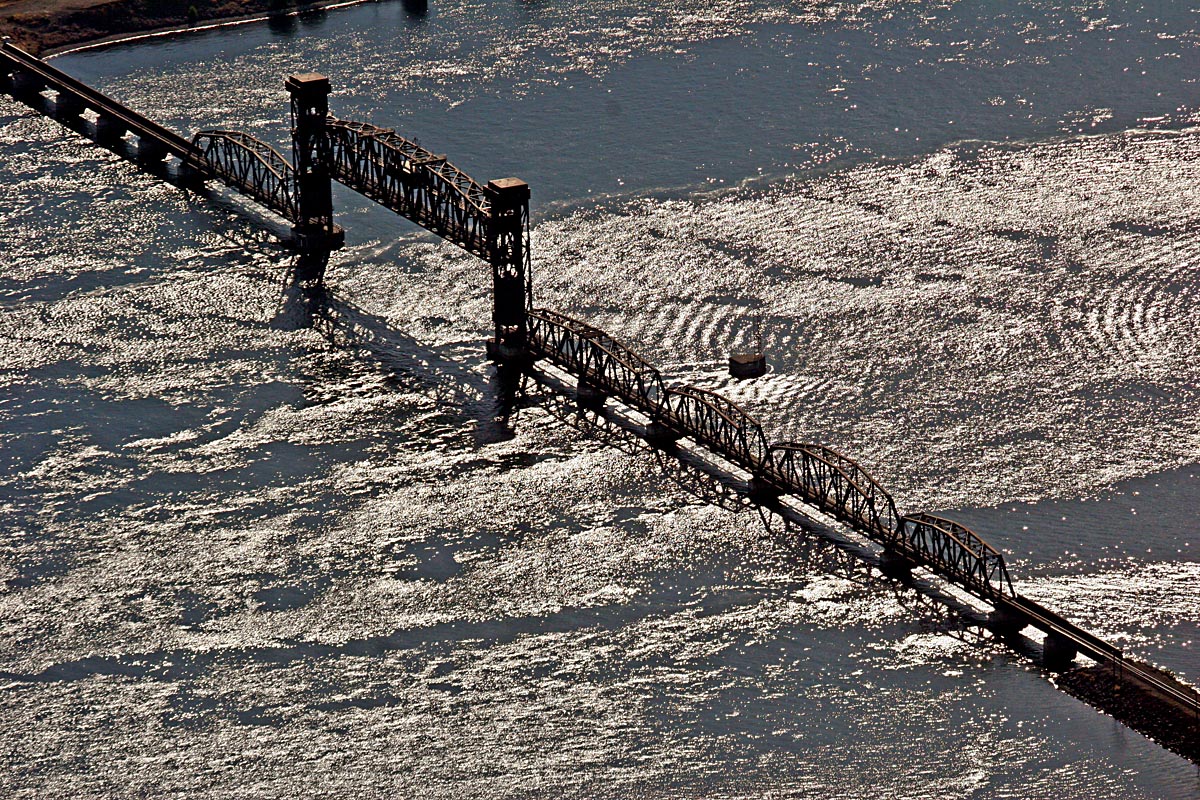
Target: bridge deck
597,360
145,129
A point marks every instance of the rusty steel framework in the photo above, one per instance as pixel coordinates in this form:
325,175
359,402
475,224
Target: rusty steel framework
596,358
719,423
962,552
816,474
405,177
490,221
837,485
251,167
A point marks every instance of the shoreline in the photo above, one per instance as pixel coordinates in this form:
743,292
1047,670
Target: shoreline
50,29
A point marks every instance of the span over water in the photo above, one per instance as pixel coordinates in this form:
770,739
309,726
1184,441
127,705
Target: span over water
492,222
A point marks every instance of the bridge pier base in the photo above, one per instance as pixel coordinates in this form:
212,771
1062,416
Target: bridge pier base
508,352
150,151
1006,621
188,177
26,85
894,565
589,397
1058,654
660,436
67,104
761,492
109,131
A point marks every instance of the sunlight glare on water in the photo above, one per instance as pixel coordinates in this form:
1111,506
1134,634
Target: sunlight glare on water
250,551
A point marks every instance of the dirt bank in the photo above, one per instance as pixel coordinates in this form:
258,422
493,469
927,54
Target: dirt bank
40,26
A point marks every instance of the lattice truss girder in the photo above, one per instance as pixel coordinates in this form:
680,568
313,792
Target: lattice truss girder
718,422
817,474
601,361
411,181
252,167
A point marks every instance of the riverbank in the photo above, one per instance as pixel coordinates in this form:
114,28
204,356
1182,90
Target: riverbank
1140,706
42,27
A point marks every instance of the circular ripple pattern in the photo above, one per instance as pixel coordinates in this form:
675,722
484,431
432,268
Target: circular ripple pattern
966,325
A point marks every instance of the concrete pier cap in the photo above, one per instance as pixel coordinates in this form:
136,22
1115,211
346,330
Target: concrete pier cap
661,436
1006,620
762,492
894,565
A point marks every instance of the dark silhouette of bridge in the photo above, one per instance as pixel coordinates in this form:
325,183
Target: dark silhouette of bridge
491,221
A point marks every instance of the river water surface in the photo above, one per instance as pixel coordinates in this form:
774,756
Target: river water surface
251,551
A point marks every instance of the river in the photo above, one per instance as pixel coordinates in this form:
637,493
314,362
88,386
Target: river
252,552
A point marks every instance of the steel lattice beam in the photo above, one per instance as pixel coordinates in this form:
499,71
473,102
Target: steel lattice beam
251,167
413,182
814,473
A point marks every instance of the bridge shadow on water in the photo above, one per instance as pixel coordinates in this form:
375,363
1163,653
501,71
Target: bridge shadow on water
598,427
803,550
488,398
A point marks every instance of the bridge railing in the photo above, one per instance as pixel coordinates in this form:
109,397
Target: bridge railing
597,359
412,181
837,485
252,167
957,552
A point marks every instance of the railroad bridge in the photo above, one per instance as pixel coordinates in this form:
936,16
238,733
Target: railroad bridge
491,221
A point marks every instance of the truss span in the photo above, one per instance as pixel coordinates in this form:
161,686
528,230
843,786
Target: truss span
956,552
596,358
718,423
838,486
412,181
251,167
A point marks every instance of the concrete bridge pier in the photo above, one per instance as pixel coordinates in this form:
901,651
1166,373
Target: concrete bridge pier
1058,654
150,150
67,104
894,565
661,436
28,87
1006,620
589,396
188,177
762,492
109,130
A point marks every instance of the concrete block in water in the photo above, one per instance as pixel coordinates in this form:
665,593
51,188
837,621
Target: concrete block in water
748,365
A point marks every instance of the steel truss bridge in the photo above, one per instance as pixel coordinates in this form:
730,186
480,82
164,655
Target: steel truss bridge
491,221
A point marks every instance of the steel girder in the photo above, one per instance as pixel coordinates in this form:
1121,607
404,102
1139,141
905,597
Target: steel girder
958,552
817,474
837,485
719,423
596,358
252,167
413,182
